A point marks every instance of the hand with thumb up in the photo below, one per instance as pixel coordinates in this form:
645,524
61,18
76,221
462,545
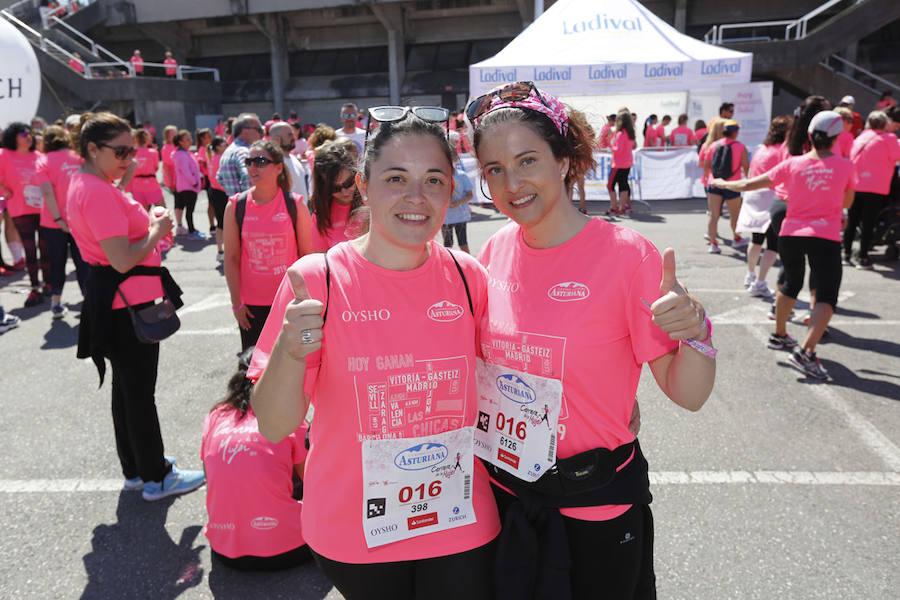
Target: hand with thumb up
301,333
676,312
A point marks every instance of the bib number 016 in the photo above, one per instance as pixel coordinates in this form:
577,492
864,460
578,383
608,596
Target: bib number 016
505,423
408,492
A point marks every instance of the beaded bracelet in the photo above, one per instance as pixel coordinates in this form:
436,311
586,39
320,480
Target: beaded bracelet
703,347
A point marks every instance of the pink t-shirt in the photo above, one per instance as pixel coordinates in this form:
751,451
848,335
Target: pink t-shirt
595,341
57,169
737,151
378,331
875,154
681,136
815,194
621,151
704,156
249,486
764,159
99,211
340,214
19,174
170,63
144,179
214,161
187,173
698,135
168,165
200,157
844,143
781,190
651,137
268,246
660,135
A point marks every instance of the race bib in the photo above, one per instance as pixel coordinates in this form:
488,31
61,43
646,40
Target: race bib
517,418
416,486
33,196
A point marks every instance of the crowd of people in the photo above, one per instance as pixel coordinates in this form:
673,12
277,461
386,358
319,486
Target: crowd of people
417,357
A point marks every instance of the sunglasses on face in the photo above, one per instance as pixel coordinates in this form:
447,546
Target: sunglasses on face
391,114
513,92
121,152
351,181
258,161
348,115
25,133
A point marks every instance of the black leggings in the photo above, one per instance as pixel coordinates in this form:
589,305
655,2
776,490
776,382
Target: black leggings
618,177
770,237
249,337
467,575
285,560
28,227
824,266
865,209
187,200
61,244
219,200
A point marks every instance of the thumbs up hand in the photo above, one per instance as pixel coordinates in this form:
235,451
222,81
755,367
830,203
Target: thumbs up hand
301,333
676,312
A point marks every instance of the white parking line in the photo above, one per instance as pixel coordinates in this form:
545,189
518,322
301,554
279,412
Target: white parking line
68,486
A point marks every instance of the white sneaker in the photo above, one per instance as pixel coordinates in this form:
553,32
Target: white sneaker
760,289
740,242
714,249
220,256
749,279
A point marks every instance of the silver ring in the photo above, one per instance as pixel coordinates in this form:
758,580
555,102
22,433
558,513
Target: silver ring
306,337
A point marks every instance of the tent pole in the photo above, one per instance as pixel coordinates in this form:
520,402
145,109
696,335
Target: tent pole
538,8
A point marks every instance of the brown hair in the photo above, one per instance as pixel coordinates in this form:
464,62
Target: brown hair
56,138
181,134
97,128
323,133
169,129
778,130
207,150
276,155
141,137
331,159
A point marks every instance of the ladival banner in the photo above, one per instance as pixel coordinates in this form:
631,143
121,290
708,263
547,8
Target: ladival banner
608,46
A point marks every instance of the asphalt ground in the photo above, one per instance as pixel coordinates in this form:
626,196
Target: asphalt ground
780,487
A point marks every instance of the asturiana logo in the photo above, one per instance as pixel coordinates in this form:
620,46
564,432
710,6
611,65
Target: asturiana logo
607,72
569,291
720,67
498,76
552,74
663,70
421,457
264,523
444,311
600,23
515,389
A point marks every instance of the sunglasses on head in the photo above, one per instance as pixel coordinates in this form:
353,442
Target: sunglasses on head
392,114
121,152
258,162
512,92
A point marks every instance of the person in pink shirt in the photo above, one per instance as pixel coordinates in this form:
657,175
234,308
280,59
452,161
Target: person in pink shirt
260,249
334,197
144,186
168,148
886,101
569,295
819,185
259,530
217,196
651,132
661,131
845,139
380,332
875,154
204,139
700,130
740,165
188,183
56,167
138,61
119,238
171,65
681,135
76,63
220,127
622,159
607,132
19,175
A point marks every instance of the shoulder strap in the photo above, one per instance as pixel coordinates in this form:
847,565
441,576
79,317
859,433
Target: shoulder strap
240,209
327,288
291,205
465,282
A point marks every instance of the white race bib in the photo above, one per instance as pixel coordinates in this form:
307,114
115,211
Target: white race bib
33,196
416,486
517,417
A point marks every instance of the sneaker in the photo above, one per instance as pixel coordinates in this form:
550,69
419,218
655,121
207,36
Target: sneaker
582,211
136,483
197,235
805,318
180,230
176,482
771,314
19,265
34,298
8,322
714,249
740,242
864,264
760,289
749,279
706,237
58,311
781,342
808,363
848,261
220,257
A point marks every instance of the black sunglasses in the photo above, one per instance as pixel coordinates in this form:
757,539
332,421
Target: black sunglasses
25,133
258,161
392,114
351,181
121,152
511,92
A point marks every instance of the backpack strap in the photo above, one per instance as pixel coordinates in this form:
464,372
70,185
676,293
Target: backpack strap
327,288
465,282
240,209
290,204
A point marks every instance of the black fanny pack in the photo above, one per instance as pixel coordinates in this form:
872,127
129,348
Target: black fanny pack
153,323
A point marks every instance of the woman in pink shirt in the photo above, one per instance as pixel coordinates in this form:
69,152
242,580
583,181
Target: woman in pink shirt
651,132
188,182
334,197
144,186
56,167
568,293
845,140
171,65
217,196
204,139
271,237
875,154
119,238
19,175
622,159
819,185
699,130
165,153
380,332
258,530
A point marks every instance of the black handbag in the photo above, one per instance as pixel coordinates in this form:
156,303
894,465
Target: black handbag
153,323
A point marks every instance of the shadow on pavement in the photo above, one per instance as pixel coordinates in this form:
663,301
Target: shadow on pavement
305,582
60,335
844,377
136,558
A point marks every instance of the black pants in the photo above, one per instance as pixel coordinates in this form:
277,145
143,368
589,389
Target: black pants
865,209
460,229
618,177
60,245
218,199
249,337
134,366
285,560
187,200
824,258
28,227
463,576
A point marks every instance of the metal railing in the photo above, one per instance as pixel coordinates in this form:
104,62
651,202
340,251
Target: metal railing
795,29
96,48
858,69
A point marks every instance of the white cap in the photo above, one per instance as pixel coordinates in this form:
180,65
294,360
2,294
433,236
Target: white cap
848,100
827,121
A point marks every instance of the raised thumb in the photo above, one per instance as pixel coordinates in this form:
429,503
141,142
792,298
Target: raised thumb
298,284
669,282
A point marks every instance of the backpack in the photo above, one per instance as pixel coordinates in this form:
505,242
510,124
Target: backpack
722,161
240,209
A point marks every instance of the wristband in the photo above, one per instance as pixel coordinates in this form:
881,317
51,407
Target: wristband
704,347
